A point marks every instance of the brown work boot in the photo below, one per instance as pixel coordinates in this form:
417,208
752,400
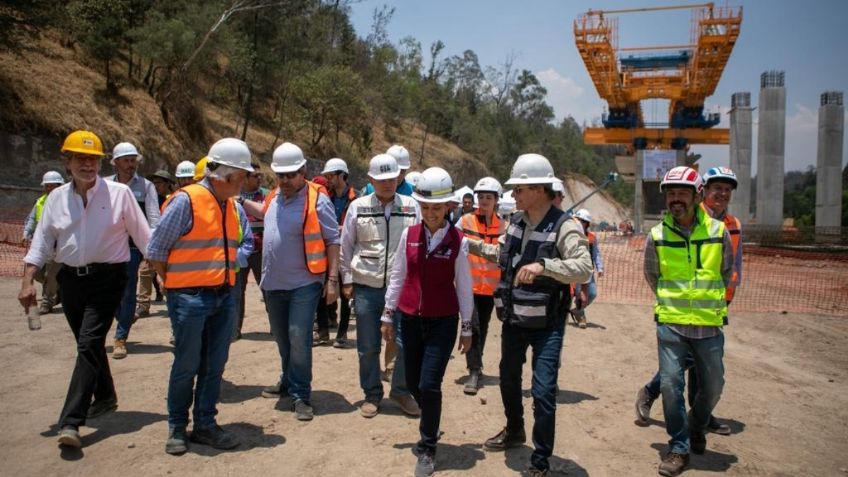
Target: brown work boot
369,409
407,405
119,350
673,464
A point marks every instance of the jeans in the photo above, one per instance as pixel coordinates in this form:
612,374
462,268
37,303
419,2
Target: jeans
483,306
547,346
654,390
707,353
327,313
254,265
89,304
369,303
126,312
202,321
428,343
290,313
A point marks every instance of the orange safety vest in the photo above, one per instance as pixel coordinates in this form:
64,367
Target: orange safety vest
484,274
206,255
734,227
313,240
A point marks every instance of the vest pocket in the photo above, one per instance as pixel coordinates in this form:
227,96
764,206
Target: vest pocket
531,308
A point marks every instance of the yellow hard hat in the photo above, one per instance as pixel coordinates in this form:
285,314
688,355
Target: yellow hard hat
83,142
200,168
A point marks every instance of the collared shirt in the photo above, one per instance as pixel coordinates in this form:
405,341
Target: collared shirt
462,276
98,232
144,191
177,220
652,275
283,256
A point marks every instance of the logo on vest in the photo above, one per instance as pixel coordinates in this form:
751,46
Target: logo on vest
442,254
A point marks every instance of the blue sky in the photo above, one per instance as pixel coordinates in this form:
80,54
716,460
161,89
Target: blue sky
808,40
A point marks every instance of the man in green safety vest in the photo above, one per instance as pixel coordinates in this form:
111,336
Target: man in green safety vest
47,274
688,264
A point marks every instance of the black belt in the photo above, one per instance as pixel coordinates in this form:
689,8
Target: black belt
94,268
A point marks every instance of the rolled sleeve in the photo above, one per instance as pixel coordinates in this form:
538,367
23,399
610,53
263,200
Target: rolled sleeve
328,221
175,222
151,205
575,266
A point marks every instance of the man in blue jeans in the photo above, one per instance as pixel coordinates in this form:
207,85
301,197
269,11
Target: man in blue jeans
688,264
370,237
542,252
301,247
125,159
195,250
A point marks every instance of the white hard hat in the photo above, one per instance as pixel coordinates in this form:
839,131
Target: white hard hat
434,186
383,166
230,152
721,174
489,184
335,165
52,177
287,157
185,169
507,204
412,177
683,175
558,188
584,214
401,155
532,169
124,149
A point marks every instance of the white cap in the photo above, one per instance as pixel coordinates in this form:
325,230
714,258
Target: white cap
412,177
584,214
230,152
335,165
401,155
489,184
185,169
532,169
383,166
287,158
434,186
124,149
52,177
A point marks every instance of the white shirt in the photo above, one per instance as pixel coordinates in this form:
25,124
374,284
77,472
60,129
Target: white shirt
462,276
96,233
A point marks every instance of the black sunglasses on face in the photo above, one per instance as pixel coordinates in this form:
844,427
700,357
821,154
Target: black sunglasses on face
288,175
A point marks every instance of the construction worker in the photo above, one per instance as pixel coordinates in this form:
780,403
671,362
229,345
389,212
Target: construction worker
401,155
251,190
370,238
336,174
301,248
185,173
482,225
431,287
467,204
87,223
47,274
540,254
163,182
195,249
719,185
585,293
688,264
125,159
559,195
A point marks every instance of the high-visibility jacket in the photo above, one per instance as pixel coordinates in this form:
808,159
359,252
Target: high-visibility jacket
484,274
690,289
39,207
206,255
313,240
734,229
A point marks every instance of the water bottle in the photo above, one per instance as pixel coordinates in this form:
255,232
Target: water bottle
34,318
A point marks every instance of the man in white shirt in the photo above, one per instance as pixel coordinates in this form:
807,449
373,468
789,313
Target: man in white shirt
125,158
90,221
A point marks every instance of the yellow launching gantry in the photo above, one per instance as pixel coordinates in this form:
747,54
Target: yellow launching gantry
685,76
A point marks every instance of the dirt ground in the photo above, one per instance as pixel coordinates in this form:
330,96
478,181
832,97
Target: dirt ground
786,399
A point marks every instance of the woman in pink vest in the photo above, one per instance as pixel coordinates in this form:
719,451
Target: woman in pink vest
431,285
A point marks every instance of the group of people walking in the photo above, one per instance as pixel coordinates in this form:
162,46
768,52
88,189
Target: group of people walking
424,274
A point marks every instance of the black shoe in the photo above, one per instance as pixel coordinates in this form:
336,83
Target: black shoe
697,442
302,410
276,391
215,437
505,440
69,436
101,407
673,464
643,406
717,427
177,442
159,297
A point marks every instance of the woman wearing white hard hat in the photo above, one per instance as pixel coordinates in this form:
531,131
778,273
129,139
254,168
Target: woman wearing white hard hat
584,294
430,285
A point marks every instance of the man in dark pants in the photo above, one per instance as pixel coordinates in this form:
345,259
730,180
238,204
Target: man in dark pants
90,221
252,190
541,253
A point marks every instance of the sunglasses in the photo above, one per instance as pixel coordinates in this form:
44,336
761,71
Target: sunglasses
288,175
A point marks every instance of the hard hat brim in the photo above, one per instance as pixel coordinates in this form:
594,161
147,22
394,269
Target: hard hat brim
83,151
433,200
327,171
284,169
138,156
533,181
404,167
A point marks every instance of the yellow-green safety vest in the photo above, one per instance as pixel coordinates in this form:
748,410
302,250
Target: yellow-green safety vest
690,289
39,207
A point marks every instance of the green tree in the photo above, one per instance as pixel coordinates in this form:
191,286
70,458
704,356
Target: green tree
99,26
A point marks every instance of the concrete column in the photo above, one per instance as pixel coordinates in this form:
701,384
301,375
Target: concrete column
740,154
829,160
770,148
638,200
